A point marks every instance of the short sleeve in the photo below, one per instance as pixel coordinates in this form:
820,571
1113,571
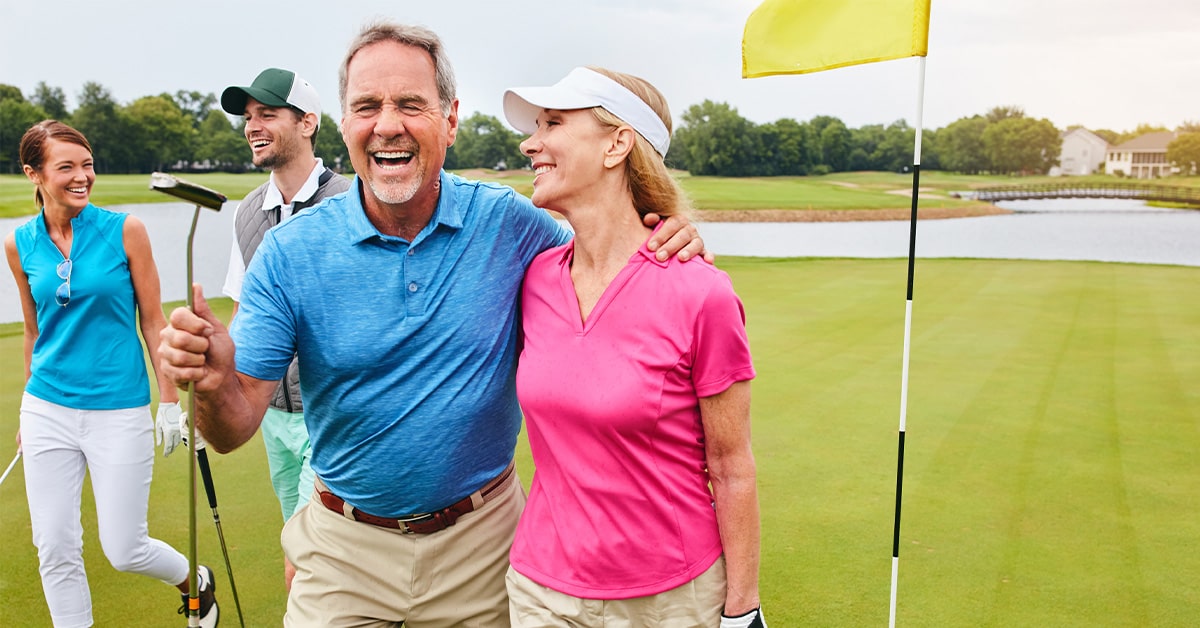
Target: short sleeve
264,329
720,346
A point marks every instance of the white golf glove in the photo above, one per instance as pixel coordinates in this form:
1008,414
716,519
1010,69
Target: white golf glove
183,432
753,619
166,427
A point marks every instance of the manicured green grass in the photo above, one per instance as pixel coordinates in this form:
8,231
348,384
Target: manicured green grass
16,192
1051,476
1052,469
843,190
858,190
249,513
793,193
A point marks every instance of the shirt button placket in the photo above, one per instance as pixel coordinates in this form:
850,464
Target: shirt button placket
414,301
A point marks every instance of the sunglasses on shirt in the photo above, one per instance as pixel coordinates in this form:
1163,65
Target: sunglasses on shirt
62,296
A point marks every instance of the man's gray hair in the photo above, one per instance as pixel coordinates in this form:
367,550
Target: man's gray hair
416,36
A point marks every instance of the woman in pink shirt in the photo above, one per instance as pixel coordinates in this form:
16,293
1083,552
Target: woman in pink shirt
635,383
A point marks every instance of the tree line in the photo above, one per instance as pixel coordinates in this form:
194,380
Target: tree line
188,131
181,131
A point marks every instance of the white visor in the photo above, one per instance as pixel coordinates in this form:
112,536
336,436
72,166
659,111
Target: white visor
584,89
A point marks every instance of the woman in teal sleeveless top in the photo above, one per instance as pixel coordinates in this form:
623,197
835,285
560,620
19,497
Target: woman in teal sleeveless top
88,286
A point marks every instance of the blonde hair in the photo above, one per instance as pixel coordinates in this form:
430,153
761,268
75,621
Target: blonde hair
653,188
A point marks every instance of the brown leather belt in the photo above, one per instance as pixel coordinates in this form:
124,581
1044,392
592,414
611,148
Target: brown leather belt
426,523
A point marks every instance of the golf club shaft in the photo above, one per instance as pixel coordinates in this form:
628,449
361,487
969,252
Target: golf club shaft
193,611
211,491
10,466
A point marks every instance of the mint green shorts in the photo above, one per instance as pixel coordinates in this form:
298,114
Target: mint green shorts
288,454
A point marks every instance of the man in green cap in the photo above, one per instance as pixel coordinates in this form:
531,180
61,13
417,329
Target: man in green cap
282,113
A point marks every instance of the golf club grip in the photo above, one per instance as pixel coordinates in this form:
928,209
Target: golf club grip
206,474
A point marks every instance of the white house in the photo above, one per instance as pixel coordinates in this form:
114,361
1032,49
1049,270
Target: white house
1143,157
1082,153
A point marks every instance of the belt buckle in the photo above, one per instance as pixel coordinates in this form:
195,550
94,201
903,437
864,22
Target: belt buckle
404,521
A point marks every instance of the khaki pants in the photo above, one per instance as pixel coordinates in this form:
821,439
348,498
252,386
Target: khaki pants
695,603
350,573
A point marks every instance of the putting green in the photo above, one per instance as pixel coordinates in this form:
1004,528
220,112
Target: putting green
1052,473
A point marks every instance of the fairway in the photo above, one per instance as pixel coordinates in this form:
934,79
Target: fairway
1052,472
839,191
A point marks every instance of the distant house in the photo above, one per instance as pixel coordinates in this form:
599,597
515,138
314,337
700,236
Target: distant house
1143,157
1082,153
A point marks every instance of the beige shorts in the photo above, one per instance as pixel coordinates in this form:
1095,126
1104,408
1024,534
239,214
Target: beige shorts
695,603
350,573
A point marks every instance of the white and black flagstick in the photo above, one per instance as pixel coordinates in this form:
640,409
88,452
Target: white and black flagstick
912,261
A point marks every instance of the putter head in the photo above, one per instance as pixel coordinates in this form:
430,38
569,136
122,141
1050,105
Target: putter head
186,190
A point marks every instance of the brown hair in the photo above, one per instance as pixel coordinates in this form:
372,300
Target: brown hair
415,36
653,188
33,146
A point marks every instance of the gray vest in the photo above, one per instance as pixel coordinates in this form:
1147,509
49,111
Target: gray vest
250,225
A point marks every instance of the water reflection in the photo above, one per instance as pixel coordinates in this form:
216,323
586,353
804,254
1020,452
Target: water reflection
1131,232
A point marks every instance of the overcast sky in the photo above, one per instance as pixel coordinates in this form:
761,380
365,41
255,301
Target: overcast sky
1100,63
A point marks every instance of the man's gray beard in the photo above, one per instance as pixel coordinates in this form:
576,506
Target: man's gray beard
391,196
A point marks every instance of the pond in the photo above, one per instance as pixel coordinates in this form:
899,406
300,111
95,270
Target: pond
1106,230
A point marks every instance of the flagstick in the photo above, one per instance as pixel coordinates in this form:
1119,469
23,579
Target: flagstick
912,260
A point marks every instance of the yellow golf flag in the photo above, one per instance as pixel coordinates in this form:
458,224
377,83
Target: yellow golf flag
801,36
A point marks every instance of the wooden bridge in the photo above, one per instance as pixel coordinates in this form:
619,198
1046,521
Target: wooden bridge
1137,191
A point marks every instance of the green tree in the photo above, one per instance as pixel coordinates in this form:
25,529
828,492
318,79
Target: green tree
162,133
16,116
52,100
220,146
1004,112
1022,145
1144,128
816,126
895,151
931,154
330,147
1141,130
195,105
717,139
107,126
484,142
1112,137
960,145
451,161
784,148
1188,126
1184,152
864,143
11,92
835,146
676,155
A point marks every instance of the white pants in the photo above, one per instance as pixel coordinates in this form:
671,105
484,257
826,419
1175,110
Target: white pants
117,449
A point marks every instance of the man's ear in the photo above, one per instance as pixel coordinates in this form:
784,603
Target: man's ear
623,139
310,122
452,122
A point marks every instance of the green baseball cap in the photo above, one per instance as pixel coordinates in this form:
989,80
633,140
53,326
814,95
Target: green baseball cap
274,88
